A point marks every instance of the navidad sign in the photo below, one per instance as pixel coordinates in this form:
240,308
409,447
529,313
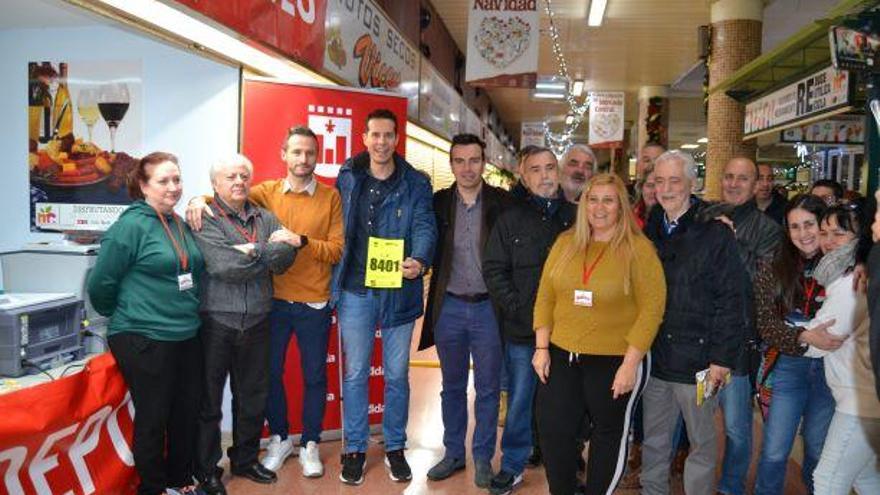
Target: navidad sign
503,39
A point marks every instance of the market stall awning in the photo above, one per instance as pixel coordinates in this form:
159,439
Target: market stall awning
805,51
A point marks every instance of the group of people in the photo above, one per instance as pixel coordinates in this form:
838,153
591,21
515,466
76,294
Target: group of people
601,311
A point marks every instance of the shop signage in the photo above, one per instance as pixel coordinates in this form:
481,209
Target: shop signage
842,129
63,216
439,104
817,94
503,40
71,435
532,134
365,49
606,119
336,114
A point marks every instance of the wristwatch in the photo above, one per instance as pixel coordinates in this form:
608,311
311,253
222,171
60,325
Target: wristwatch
303,241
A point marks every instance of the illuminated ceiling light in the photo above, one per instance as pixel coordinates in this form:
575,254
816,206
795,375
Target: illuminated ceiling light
577,88
597,12
689,146
703,140
548,96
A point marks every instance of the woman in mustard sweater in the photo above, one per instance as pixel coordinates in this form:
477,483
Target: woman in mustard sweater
599,305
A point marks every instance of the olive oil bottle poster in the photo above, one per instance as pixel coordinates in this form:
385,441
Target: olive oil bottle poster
84,137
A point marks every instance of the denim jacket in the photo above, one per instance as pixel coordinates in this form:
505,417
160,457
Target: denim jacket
409,215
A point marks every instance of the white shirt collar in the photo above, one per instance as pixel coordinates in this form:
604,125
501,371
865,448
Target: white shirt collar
310,187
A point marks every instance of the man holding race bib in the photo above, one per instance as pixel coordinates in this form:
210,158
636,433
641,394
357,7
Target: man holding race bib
390,234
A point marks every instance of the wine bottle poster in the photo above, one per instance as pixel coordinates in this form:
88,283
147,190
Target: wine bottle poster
84,137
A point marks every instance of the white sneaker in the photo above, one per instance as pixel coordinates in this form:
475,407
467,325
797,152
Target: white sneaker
310,459
277,451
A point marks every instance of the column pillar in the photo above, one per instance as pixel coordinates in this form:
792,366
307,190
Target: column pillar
653,122
736,40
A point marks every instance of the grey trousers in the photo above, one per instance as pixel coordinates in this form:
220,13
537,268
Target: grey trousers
662,402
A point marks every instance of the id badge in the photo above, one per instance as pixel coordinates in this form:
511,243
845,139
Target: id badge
185,281
583,298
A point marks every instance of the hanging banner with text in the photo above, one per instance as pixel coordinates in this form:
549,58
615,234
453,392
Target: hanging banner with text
606,119
365,49
503,39
70,435
818,94
842,129
532,134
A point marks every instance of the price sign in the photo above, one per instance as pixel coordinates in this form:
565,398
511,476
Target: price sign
384,257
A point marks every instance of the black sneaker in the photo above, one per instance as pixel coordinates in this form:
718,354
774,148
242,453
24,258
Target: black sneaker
398,467
503,482
353,468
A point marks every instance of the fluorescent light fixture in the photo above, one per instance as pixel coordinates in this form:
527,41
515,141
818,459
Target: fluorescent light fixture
548,96
597,12
577,88
689,146
192,29
559,86
703,140
414,131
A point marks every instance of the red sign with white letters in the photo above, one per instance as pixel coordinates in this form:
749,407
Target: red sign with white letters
71,435
294,27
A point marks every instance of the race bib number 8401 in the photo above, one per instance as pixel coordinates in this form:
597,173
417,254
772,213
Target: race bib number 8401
384,257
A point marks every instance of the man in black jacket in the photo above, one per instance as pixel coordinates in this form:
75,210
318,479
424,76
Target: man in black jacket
702,328
757,239
459,317
512,264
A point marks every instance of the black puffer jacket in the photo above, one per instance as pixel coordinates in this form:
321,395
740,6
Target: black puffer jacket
705,292
514,257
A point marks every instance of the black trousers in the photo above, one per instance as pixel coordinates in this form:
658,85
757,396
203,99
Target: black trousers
243,355
164,379
579,387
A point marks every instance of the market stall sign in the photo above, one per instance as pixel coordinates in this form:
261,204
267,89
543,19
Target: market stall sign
843,129
818,94
532,134
440,105
503,39
606,119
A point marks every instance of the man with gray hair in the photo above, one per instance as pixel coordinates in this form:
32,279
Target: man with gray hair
702,329
576,167
243,245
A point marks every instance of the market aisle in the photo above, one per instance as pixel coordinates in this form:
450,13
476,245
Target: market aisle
425,448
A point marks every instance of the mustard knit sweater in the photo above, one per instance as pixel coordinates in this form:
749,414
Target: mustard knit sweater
616,319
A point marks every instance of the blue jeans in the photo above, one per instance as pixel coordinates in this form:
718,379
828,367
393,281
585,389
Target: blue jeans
312,329
799,392
736,403
359,316
464,329
516,440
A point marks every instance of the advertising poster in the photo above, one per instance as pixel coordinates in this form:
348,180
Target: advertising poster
502,43
439,104
817,94
606,119
843,129
337,115
532,134
365,49
84,137
853,50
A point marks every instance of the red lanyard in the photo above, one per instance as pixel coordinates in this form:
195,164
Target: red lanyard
181,253
248,236
588,272
808,293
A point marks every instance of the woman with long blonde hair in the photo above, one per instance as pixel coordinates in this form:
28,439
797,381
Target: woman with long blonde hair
599,305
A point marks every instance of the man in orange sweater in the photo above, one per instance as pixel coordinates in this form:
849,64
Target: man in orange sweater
311,212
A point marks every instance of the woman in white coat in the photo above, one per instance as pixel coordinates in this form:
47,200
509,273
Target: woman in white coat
850,454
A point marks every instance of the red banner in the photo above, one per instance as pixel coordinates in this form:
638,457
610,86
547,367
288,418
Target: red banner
338,116
294,27
71,435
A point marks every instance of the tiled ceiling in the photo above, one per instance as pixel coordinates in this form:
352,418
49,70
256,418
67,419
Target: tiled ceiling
640,43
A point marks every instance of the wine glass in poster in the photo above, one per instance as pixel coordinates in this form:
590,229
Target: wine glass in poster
78,169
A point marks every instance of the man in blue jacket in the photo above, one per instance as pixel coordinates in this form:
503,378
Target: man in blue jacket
390,232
